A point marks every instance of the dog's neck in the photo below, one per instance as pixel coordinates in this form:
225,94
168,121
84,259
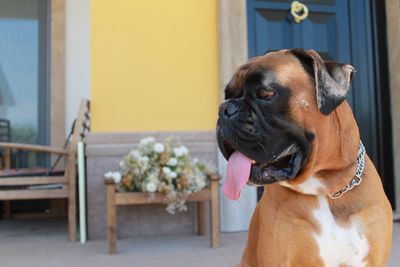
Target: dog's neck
333,160
336,161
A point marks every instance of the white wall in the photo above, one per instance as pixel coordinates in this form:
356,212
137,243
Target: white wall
77,53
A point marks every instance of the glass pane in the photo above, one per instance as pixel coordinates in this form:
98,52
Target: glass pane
19,68
23,82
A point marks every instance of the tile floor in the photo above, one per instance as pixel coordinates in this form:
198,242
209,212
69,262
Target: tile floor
43,244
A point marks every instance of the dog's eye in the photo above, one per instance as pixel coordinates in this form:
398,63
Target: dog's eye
266,94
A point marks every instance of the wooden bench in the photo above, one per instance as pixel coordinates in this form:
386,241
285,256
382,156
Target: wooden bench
47,183
115,199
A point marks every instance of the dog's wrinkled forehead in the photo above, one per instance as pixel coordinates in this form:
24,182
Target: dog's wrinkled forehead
281,67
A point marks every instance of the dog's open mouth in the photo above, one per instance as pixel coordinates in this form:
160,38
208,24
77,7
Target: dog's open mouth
241,169
284,167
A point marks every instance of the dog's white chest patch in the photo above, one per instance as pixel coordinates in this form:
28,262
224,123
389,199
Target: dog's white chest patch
339,245
311,186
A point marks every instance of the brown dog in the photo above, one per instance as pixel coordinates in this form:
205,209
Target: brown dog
286,123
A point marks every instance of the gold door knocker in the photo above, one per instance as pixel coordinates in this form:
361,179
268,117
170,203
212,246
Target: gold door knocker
299,11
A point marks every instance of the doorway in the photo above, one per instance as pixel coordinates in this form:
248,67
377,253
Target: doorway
345,31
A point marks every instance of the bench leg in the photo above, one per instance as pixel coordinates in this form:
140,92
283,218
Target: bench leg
215,237
201,226
72,213
111,220
71,222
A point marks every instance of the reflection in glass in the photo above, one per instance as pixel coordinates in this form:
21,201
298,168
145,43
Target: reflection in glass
21,70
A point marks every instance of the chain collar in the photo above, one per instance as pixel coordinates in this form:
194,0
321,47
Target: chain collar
357,176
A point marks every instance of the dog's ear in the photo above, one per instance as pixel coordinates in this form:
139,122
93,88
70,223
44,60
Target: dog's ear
332,79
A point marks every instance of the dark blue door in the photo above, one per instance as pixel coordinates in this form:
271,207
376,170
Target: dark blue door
340,30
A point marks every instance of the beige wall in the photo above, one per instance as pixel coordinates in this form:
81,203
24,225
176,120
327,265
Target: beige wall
393,33
232,39
57,73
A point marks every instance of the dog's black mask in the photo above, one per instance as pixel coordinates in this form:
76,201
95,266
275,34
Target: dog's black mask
256,122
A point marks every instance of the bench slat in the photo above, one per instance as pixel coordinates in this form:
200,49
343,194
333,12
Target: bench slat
34,194
33,180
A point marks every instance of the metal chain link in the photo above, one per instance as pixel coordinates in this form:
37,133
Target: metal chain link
357,176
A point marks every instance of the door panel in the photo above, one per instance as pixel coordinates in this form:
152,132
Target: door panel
339,30
275,23
317,34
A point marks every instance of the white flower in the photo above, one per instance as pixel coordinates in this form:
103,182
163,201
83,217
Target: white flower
151,187
166,170
195,160
178,152
158,148
172,175
144,159
201,183
121,163
184,150
147,140
153,178
134,154
115,175
172,162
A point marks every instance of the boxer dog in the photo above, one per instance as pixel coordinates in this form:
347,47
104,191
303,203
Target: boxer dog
286,125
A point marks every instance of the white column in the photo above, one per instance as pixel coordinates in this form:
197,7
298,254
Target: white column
77,57
235,215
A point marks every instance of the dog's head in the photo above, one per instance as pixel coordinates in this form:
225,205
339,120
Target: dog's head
278,108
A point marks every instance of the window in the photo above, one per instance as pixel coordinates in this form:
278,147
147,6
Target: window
24,70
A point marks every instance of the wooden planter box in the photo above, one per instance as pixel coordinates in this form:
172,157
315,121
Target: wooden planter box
115,199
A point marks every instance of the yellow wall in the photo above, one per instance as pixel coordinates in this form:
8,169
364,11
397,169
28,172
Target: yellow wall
154,65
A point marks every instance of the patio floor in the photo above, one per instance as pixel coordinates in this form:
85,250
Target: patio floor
42,243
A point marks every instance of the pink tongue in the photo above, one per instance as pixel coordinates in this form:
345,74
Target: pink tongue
237,175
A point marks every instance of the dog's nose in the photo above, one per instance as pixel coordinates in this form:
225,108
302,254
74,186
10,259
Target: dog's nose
228,110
